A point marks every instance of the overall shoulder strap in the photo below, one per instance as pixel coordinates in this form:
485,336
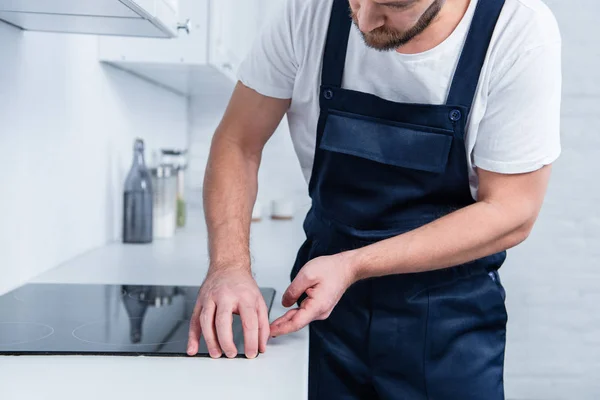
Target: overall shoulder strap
336,45
468,70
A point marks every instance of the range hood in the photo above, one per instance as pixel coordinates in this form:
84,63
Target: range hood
141,18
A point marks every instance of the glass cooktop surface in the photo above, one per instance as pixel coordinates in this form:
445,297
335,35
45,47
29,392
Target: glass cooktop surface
74,319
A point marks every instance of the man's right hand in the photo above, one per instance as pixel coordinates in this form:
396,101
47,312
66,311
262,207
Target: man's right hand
229,193
228,291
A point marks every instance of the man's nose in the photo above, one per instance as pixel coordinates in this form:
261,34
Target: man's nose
368,18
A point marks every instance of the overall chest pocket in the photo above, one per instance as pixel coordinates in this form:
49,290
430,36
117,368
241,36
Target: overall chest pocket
387,142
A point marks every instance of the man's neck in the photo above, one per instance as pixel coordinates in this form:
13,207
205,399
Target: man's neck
440,29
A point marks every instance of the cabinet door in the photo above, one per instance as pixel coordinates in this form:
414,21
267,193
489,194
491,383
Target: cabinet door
186,49
162,12
173,4
140,18
234,26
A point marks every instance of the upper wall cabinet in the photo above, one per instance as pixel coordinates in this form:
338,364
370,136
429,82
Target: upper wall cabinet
233,29
189,47
216,36
142,18
169,62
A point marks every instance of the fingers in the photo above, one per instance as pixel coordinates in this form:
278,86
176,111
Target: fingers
249,316
295,290
207,325
223,294
284,318
298,321
223,323
264,330
194,334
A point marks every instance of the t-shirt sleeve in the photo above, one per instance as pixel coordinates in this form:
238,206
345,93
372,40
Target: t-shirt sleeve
270,66
520,130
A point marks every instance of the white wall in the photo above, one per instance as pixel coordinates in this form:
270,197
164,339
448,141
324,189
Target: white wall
67,125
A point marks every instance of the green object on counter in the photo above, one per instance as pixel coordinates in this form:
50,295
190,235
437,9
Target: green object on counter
181,213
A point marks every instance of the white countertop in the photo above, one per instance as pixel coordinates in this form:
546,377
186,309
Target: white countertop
280,373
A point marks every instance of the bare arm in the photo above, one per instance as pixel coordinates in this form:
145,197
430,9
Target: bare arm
502,218
231,185
231,181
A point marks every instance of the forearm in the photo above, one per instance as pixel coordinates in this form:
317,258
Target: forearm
230,189
468,234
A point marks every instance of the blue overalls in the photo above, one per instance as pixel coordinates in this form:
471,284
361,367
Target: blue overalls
381,169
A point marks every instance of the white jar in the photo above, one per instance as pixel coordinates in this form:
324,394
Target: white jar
164,218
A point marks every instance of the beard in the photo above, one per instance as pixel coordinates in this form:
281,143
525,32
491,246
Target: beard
386,39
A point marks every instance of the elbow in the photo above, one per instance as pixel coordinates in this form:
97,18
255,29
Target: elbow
520,234
517,222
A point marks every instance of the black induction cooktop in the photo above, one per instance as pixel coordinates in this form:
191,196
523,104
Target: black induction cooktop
122,320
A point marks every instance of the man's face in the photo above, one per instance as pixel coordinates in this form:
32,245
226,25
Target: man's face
389,24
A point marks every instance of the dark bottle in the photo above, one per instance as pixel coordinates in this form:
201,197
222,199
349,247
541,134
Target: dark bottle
137,205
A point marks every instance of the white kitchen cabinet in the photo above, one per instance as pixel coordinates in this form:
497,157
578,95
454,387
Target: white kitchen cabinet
221,34
142,18
234,25
189,48
168,62
234,28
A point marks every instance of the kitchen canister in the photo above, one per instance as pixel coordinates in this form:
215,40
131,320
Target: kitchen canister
164,184
177,159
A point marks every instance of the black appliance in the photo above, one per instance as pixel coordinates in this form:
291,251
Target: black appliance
121,320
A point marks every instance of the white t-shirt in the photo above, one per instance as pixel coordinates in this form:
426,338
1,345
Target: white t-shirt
514,125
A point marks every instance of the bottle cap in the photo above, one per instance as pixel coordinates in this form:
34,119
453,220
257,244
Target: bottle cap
138,145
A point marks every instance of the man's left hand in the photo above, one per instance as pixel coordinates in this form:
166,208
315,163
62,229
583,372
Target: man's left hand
324,280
